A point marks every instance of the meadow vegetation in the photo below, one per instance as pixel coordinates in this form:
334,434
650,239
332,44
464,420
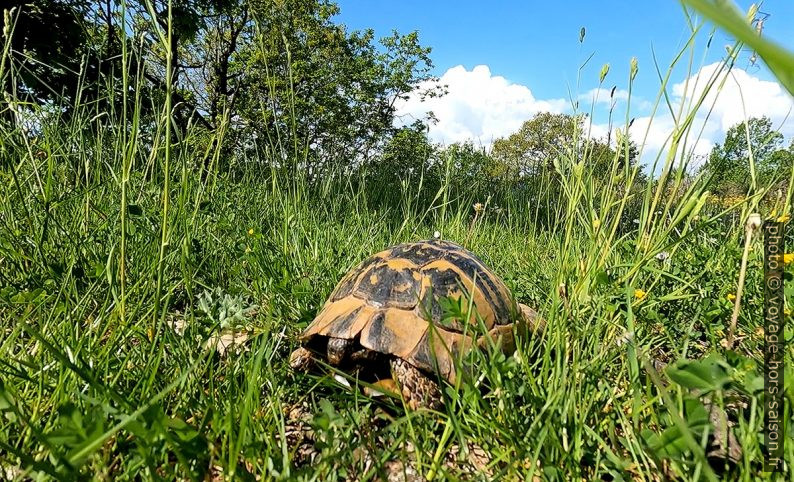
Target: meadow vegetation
185,181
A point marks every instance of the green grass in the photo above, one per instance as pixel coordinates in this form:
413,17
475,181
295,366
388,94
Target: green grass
109,236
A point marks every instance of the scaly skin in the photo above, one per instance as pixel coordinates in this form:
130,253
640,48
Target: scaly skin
338,350
302,359
534,322
417,389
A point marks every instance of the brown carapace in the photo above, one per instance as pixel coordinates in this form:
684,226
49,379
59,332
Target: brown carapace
389,308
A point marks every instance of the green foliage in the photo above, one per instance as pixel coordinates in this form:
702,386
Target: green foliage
295,83
541,139
118,262
224,310
76,430
734,166
476,169
408,153
326,94
546,137
706,375
47,42
672,442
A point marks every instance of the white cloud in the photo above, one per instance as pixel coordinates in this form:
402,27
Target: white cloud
741,97
483,107
598,131
600,95
478,106
654,136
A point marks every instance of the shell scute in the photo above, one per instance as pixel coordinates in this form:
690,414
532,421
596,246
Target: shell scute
341,319
389,284
493,289
418,253
345,287
393,331
447,280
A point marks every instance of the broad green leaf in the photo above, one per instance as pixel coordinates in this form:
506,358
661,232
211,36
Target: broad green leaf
707,374
671,442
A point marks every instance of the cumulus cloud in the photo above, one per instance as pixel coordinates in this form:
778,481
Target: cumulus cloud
478,106
654,136
741,97
483,107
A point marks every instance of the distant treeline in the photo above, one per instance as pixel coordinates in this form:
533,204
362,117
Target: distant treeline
273,84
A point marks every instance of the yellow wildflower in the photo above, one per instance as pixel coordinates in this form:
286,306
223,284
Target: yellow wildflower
731,296
788,258
783,218
639,294
251,232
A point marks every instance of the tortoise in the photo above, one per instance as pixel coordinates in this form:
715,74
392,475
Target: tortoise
386,321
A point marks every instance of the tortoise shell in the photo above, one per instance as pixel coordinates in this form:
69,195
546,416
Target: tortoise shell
390,300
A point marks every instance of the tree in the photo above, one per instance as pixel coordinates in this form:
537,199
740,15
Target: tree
728,166
67,54
318,94
780,163
220,72
529,150
47,41
546,137
287,79
198,43
407,154
474,167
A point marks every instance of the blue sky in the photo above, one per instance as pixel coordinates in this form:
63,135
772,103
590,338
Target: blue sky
535,45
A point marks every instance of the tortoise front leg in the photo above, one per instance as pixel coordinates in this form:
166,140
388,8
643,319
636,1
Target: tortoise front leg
301,359
417,389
